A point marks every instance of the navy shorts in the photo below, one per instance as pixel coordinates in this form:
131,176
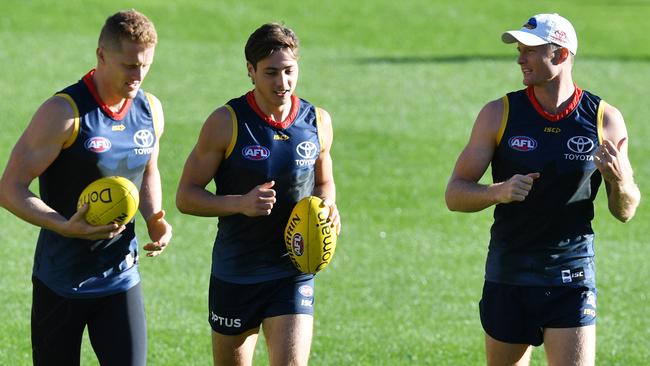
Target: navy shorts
236,308
519,314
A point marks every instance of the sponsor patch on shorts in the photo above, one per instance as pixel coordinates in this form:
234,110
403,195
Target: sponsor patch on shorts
573,275
306,290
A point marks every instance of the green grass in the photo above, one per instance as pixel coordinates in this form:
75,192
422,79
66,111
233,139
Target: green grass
403,82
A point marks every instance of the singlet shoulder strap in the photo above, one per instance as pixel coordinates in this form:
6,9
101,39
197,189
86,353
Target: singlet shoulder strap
504,118
599,119
75,110
319,122
157,121
233,137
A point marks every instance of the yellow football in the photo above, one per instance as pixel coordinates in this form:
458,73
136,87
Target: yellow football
110,200
310,239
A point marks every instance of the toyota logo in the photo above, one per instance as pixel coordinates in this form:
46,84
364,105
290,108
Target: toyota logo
143,138
580,144
307,150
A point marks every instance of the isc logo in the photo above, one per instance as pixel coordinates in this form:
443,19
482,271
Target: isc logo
589,312
552,130
256,152
522,143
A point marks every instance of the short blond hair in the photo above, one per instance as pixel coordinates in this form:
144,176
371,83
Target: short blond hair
127,25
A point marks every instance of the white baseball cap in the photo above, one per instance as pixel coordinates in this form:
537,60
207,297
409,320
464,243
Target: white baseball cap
542,29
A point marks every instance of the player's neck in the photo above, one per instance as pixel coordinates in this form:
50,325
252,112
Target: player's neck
555,95
277,113
113,101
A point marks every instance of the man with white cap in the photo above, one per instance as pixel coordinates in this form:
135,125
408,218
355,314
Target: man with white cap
550,146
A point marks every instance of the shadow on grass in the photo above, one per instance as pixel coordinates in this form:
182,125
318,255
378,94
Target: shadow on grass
474,58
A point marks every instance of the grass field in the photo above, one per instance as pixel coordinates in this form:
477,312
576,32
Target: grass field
403,82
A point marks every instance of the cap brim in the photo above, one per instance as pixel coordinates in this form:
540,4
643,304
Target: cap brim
522,37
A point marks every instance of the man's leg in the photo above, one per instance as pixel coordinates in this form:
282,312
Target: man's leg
570,346
118,329
288,338
234,350
57,327
505,354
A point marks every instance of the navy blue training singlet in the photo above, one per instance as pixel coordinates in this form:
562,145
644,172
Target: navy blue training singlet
101,145
252,249
547,239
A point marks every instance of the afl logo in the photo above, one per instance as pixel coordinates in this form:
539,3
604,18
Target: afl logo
298,244
580,144
143,138
98,144
256,152
306,150
306,290
522,143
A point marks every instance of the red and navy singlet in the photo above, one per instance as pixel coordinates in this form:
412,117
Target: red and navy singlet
547,239
103,143
251,249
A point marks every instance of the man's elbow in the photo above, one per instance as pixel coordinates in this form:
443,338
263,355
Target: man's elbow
3,196
181,202
182,208
451,201
625,216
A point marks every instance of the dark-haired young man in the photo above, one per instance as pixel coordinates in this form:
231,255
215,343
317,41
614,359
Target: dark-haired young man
265,151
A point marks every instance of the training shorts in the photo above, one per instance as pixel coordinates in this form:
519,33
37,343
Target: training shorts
236,308
519,314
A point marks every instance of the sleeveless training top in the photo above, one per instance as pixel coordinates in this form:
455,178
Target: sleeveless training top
547,239
103,143
252,249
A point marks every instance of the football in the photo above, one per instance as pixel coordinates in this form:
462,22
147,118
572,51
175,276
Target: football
110,200
310,239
